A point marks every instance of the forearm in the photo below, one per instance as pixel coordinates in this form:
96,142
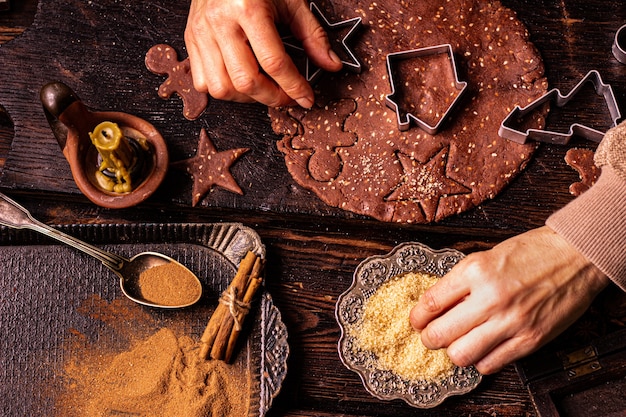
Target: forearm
595,222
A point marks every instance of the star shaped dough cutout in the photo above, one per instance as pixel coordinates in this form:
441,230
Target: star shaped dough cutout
426,183
210,167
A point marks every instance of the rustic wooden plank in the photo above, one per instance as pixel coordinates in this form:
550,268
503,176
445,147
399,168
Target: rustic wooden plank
312,249
106,70
307,301
19,16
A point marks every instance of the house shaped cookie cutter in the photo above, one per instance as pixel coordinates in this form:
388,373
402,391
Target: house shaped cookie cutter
405,122
506,130
351,64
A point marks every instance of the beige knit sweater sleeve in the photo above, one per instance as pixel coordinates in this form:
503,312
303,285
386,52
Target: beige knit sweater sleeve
595,221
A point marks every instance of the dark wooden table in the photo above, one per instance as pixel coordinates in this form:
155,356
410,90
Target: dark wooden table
312,249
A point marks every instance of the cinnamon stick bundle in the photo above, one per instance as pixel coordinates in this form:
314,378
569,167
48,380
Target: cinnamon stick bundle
220,336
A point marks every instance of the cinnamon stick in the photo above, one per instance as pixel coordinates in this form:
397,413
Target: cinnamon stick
234,335
236,286
211,330
220,345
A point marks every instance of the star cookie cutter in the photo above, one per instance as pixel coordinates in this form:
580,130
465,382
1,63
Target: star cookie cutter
351,63
506,131
404,123
619,45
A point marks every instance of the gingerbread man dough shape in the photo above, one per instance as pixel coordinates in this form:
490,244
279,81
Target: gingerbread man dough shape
162,59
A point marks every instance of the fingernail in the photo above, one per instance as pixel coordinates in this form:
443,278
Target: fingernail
305,102
334,57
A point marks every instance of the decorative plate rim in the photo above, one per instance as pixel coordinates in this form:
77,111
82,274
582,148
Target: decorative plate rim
368,276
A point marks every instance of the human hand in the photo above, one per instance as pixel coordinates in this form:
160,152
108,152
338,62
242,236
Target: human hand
497,306
236,52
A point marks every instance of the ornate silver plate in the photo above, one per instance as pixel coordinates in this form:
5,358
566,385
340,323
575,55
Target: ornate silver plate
382,383
55,302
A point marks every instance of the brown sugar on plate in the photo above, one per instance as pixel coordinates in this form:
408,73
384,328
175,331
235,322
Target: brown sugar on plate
210,168
363,162
384,330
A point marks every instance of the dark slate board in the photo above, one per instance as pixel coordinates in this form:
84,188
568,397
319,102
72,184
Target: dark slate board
55,302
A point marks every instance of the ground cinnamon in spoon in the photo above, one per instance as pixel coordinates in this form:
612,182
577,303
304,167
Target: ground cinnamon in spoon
169,285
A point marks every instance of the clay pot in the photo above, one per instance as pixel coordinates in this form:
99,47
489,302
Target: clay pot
71,122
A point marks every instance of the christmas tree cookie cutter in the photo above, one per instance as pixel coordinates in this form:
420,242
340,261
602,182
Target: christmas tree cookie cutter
508,131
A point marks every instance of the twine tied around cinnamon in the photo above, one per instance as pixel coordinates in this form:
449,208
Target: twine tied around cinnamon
222,331
237,308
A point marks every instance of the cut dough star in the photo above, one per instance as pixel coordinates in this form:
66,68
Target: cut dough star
426,183
210,167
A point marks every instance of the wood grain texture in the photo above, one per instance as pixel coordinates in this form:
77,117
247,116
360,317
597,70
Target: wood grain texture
312,249
105,68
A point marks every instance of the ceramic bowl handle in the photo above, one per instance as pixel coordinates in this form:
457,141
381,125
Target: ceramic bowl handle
56,98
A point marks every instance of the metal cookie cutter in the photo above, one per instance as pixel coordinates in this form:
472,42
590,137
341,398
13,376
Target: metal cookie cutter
350,62
619,45
506,130
404,122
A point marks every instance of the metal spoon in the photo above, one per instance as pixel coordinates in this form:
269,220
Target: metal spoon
129,270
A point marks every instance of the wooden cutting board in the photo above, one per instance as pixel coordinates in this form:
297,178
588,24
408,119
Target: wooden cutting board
98,49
